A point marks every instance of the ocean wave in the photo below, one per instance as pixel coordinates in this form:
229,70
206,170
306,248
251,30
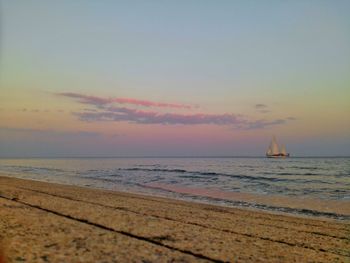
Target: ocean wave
307,168
155,170
30,169
198,174
291,173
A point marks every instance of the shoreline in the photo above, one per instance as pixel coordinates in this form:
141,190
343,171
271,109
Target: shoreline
276,204
40,220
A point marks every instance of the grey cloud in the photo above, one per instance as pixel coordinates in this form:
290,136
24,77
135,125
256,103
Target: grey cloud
260,106
151,117
119,114
260,124
100,102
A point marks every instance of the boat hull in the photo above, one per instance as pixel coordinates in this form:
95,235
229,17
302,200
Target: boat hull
280,155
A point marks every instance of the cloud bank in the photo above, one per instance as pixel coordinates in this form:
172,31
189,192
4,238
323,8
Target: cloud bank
104,109
152,117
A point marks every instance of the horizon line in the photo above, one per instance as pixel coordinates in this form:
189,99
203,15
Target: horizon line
167,156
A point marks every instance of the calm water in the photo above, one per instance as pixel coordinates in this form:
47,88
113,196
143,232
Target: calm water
202,179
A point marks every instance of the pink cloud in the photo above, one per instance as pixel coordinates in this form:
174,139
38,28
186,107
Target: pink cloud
147,103
98,101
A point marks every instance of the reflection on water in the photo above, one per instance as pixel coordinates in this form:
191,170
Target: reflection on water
321,184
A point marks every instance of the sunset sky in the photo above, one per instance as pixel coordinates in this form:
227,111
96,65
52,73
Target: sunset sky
174,78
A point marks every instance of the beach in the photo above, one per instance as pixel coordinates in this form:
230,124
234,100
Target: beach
47,222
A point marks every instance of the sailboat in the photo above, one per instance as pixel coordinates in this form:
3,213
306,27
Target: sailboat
274,151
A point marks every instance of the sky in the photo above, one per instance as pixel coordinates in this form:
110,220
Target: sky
174,78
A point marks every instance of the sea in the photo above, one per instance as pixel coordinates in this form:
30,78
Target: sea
317,187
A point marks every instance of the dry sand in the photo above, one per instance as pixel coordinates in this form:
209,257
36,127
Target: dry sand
44,222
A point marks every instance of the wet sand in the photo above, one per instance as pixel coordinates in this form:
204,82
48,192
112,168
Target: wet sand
46,222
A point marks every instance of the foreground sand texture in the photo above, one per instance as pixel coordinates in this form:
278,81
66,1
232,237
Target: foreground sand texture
43,222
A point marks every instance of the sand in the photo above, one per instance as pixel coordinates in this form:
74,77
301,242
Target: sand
46,222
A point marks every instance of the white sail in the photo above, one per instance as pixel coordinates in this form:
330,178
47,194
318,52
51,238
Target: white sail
273,149
283,150
269,151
